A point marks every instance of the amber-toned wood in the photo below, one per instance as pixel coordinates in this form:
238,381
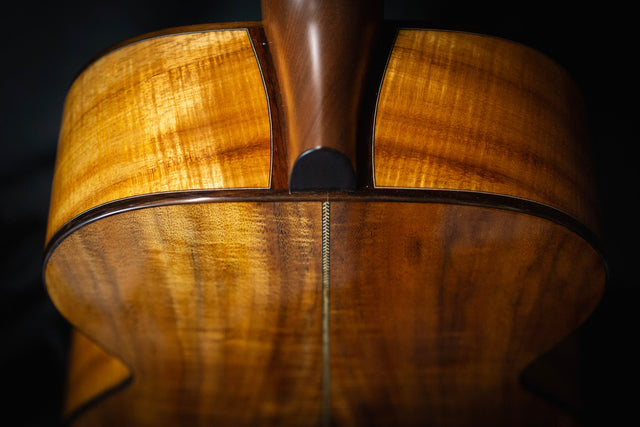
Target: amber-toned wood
435,310
91,373
174,112
469,112
321,50
215,307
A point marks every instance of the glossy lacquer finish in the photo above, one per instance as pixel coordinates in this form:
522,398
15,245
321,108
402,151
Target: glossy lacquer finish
321,51
208,286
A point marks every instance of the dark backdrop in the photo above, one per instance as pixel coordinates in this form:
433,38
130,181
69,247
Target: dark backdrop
45,44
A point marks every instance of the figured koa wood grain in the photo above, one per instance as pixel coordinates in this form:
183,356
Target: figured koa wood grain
435,310
172,112
215,307
470,112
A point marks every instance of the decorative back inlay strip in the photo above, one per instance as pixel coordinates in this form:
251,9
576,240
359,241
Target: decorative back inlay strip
326,311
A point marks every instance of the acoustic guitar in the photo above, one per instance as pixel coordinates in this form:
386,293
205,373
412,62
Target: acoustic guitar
319,219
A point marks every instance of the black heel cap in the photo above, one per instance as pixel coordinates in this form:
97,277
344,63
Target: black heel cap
322,169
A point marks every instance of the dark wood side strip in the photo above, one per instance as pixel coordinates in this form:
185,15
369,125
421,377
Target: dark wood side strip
380,55
279,172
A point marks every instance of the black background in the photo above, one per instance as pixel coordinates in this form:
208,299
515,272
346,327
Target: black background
592,374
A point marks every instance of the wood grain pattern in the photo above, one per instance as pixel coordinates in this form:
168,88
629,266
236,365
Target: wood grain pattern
435,310
469,112
215,308
175,112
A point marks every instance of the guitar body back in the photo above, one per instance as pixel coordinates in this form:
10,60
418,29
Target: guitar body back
205,292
